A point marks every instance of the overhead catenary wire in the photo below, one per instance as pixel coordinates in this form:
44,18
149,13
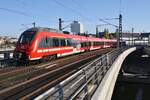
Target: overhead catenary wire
110,18
22,2
78,4
16,12
72,10
38,18
69,8
108,23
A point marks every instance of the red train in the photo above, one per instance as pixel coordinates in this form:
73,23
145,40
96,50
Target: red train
47,43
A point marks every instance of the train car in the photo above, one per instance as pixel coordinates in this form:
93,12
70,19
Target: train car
46,43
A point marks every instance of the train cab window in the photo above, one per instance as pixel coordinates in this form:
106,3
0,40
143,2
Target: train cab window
62,42
27,37
42,43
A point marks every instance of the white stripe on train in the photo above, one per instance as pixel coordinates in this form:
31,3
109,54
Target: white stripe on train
64,54
53,49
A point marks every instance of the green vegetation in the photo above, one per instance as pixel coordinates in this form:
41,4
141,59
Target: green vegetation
106,34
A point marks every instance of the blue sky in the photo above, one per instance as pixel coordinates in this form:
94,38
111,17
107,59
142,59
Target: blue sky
46,13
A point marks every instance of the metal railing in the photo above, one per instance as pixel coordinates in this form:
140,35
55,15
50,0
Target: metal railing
6,57
6,54
82,84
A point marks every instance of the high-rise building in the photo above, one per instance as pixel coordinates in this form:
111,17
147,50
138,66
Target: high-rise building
76,27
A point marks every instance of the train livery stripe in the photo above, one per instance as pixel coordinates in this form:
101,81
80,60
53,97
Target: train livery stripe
35,58
53,49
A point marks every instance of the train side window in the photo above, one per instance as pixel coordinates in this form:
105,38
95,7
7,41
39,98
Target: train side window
98,43
95,43
101,43
82,45
46,40
73,43
91,43
42,43
55,42
87,43
63,42
68,42
49,42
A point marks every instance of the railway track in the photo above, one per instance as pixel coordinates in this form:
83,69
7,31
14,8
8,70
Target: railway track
29,82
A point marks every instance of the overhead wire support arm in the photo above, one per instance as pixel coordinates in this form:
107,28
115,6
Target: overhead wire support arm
101,25
61,28
111,19
108,23
66,26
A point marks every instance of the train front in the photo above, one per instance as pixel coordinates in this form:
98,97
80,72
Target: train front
24,46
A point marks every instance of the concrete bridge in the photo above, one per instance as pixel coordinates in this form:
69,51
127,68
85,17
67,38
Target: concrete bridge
94,82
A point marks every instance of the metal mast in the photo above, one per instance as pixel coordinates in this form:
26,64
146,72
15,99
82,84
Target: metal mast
60,24
120,31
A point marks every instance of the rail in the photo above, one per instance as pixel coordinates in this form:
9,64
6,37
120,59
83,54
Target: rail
82,84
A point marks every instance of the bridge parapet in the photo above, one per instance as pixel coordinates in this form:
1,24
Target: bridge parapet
6,54
84,83
105,89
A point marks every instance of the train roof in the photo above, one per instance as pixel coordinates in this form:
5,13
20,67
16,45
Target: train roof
43,29
56,32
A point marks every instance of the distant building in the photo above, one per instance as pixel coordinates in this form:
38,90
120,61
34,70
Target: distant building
2,41
7,40
77,27
145,35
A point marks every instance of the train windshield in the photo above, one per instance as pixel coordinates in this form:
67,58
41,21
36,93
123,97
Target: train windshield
27,37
